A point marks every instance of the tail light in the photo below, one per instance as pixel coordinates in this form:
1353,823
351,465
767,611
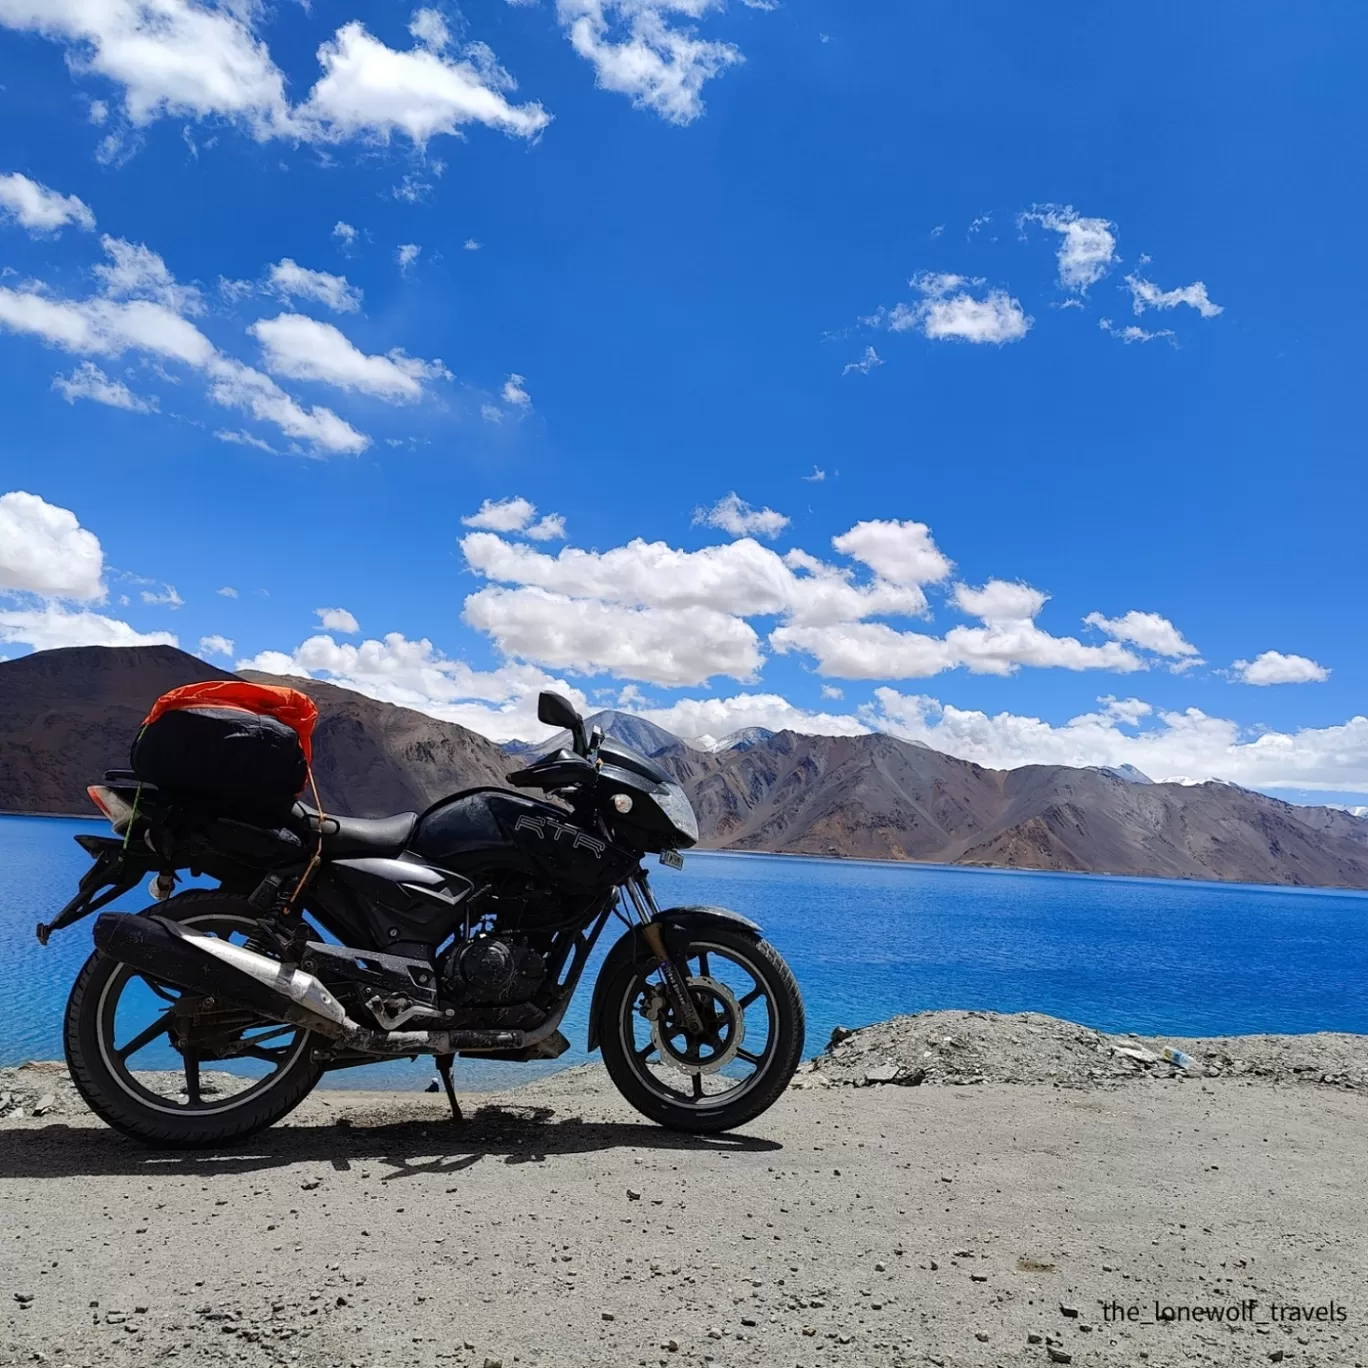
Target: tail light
119,812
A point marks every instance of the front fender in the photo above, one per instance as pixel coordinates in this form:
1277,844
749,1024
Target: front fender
631,948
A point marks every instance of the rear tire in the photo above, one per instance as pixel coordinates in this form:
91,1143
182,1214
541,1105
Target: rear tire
114,1096
650,1091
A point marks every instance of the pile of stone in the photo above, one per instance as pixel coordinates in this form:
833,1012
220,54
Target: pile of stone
963,1048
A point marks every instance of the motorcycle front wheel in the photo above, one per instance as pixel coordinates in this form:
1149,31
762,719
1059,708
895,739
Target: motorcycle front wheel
751,1044
174,1070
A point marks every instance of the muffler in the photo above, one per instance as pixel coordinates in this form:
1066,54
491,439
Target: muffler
206,965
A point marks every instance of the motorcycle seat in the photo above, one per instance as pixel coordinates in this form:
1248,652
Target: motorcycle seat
354,837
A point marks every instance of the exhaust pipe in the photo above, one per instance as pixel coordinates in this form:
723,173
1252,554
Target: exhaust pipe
207,965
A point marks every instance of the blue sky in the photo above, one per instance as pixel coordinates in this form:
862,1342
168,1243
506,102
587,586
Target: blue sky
1059,303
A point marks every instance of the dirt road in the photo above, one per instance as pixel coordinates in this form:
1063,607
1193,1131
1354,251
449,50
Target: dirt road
860,1226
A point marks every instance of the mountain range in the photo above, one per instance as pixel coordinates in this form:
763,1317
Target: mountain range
67,715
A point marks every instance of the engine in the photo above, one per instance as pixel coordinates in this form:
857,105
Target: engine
490,970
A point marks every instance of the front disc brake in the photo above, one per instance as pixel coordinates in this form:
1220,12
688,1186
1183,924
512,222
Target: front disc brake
718,1007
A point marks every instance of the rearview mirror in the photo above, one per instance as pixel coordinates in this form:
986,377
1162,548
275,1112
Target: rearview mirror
557,711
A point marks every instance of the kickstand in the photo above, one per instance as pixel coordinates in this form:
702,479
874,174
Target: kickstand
444,1062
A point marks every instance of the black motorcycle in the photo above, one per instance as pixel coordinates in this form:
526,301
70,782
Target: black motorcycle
336,941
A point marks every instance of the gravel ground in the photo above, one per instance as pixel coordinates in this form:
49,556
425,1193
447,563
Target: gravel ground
875,1226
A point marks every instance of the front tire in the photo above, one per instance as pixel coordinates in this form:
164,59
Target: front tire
136,1101
705,1085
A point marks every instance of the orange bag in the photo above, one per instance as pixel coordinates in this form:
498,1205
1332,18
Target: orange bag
296,710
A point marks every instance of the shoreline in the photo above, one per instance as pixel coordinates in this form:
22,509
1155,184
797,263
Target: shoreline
876,862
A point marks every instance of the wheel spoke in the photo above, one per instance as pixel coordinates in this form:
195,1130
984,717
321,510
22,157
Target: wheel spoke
643,1054
748,1057
697,1086
703,964
756,992
192,1078
146,1036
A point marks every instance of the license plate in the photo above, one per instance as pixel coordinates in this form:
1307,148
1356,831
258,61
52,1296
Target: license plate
672,858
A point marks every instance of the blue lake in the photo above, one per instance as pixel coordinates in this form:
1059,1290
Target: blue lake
868,941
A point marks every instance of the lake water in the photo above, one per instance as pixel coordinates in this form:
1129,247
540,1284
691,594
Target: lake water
867,941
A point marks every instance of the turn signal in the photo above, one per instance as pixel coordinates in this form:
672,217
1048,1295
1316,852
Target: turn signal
622,802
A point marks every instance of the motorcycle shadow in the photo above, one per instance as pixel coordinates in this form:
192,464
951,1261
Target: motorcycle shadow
513,1135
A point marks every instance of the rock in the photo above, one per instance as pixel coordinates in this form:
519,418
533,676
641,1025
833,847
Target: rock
839,1034
1070,1311
881,1073
45,1104
980,1336
1032,1339
1059,1355
880,1268
607,1315
1276,1356
23,1298
309,1184
493,1363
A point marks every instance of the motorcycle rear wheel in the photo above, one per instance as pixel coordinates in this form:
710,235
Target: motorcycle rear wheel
714,1083
136,1101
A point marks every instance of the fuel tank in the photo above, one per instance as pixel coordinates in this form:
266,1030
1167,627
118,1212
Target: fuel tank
491,828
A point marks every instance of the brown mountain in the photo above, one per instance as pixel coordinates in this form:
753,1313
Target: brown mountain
67,715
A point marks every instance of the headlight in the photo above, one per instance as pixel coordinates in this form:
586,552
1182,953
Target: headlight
673,803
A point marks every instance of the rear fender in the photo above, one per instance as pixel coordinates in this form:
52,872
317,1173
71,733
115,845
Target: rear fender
679,925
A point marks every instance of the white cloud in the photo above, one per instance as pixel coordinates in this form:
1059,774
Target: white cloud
52,625
491,413
135,271
33,206
407,254
45,550
216,645
500,704
1273,667
548,528
172,58
948,312
514,393
705,720
239,438
186,59
590,636
1131,333
1145,294
503,515
1008,641
411,189
1087,248
817,476
227,591
1149,631
636,51
1187,745
302,348
102,326
741,578
374,91
168,597
734,515
292,281
903,552
88,381
470,245
831,691
338,620
865,364
344,232
430,29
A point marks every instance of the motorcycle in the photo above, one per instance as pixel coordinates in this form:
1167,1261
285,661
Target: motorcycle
331,942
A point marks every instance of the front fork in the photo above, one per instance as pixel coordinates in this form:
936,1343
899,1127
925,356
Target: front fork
639,894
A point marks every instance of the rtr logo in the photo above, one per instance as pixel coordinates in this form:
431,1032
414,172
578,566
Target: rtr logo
548,825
